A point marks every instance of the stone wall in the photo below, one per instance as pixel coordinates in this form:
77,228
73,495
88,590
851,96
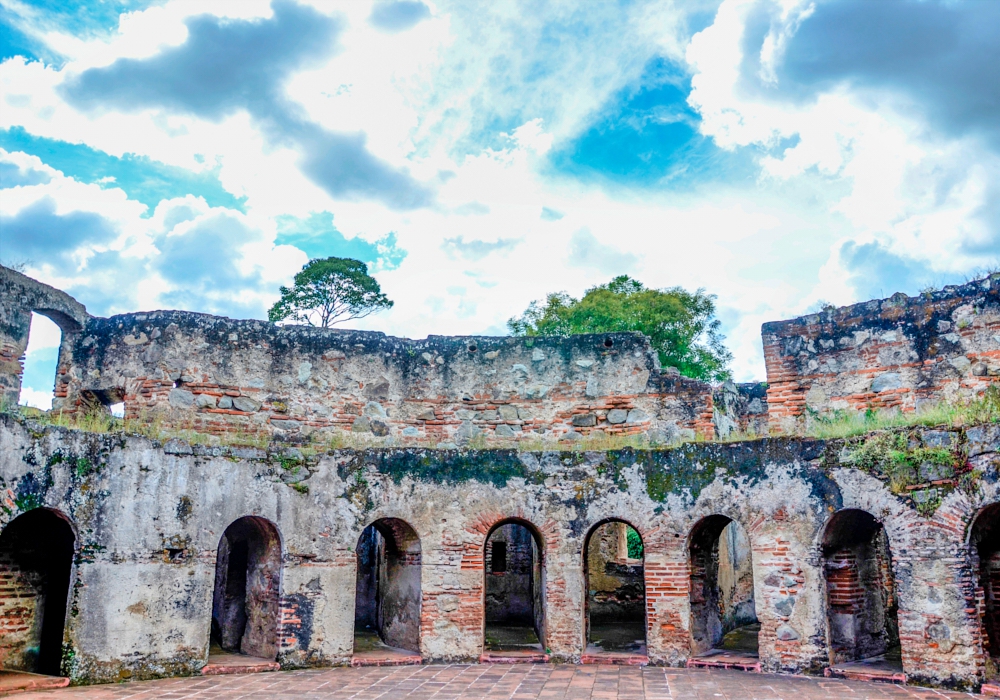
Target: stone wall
901,352
216,375
19,297
150,519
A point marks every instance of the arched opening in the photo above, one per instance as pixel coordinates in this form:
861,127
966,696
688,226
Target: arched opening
861,593
387,598
247,591
723,612
616,590
984,538
36,561
514,589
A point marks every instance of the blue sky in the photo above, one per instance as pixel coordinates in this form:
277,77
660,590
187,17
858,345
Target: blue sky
779,155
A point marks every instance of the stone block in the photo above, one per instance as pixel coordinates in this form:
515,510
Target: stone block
180,398
617,415
508,413
246,404
584,420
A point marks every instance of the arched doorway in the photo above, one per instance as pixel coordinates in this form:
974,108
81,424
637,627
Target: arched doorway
247,591
514,590
723,612
984,538
861,593
616,589
387,597
36,562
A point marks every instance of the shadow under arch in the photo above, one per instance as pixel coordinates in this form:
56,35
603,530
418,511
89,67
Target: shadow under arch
615,600
246,601
862,608
388,594
984,548
36,564
723,608
514,587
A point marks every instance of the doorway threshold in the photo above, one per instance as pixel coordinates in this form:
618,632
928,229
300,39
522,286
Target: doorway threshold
598,656
22,682
226,664
721,658
386,656
886,668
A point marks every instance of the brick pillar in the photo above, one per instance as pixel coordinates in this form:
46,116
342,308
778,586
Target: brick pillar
665,560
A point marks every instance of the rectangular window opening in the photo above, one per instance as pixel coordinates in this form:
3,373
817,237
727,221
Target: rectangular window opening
499,558
41,360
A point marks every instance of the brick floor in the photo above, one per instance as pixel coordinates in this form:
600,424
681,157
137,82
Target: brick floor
495,681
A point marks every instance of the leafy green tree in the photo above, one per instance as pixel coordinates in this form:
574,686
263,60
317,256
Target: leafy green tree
328,291
681,325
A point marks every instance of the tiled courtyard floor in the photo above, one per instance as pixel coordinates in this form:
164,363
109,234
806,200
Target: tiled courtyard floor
523,682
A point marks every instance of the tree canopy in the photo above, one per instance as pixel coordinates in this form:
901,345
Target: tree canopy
681,325
329,291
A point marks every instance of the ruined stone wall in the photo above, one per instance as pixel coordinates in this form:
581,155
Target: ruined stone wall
150,519
902,352
19,297
219,375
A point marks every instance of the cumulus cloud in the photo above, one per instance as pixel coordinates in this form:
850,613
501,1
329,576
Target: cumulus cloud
38,233
586,251
13,175
226,66
398,16
476,249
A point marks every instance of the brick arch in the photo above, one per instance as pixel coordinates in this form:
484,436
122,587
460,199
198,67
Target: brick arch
525,597
715,611
861,599
246,614
36,569
614,592
984,560
388,584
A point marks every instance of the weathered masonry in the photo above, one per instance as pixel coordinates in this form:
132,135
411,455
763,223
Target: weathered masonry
901,352
124,557
166,550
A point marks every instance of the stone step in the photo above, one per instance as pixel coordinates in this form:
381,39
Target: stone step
865,674
990,689
614,658
728,660
386,657
226,664
12,682
513,657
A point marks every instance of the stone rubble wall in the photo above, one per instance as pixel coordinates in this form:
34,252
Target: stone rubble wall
218,375
149,520
901,352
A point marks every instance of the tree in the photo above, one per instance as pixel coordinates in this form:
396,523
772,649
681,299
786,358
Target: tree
681,325
328,291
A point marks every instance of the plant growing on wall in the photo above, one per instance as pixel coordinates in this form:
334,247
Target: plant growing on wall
329,291
681,325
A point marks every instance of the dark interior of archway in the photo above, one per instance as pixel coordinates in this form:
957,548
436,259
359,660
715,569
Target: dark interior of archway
985,539
245,603
514,589
616,593
36,560
387,603
723,612
861,592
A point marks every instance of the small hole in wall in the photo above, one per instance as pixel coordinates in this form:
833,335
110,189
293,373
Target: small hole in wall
608,342
177,383
472,347
118,409
174,554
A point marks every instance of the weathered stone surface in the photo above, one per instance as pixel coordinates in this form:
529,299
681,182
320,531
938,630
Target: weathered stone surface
362,424
585,420
181,398
245,403
617,415
205,401
508,413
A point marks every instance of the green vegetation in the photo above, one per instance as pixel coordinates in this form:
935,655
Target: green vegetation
328,291
681,325
634,543
841,424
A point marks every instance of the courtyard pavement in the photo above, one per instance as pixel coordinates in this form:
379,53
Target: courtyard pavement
511,682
